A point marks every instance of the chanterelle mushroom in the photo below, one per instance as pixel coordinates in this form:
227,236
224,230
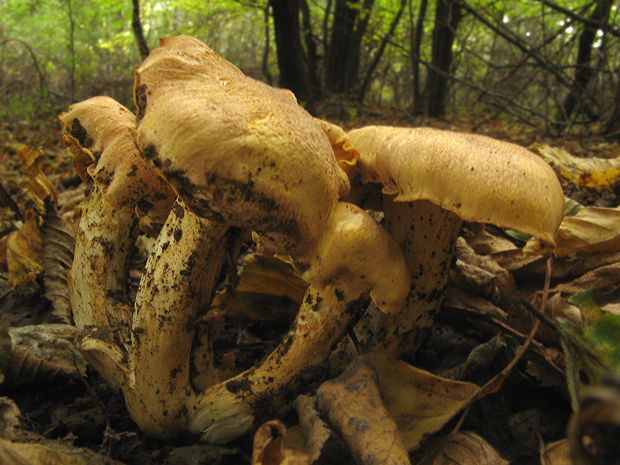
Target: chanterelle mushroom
99,135
241,153
432,180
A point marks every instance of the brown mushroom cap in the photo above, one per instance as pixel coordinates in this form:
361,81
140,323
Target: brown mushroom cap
478,178
235,149
99,135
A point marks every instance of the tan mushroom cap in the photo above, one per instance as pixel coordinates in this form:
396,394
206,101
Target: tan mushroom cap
478,178
235,149
99,135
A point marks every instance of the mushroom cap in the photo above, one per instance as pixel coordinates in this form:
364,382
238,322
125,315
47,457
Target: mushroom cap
99,135
478,178
234,149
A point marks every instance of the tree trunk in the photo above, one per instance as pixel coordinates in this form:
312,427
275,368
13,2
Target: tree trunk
348,29
311,48
291,56
136,24
416,41
584,72
447,17
265,60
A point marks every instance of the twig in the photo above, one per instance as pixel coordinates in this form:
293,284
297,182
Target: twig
496,382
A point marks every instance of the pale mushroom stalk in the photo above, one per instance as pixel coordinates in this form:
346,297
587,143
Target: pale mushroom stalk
432,180
98,277
230,409
178,283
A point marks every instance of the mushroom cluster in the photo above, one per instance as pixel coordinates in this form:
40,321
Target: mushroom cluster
239,155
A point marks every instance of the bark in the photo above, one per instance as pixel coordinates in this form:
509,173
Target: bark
291,61
448,14
136,24
348,29
584,72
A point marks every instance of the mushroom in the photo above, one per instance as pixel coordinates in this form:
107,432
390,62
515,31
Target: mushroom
99,135
432,181
241,153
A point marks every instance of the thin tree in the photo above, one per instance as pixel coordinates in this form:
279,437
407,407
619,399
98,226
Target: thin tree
448,14
584,71
136,25
342,58
416,43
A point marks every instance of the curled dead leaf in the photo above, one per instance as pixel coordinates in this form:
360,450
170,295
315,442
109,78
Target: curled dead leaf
25,254
269,448
314,428
466,448
353,405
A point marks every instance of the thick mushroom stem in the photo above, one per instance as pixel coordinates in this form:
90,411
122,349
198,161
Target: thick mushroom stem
229,409
98,277
427,235
176,285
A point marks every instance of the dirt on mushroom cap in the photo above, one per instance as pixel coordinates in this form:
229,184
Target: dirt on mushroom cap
99,136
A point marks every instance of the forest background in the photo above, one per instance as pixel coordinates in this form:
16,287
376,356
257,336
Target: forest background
551,65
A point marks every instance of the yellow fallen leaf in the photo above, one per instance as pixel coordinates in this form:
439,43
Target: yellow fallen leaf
597,173
421,403
590,230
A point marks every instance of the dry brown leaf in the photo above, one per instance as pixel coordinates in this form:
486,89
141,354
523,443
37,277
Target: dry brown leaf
463,448
24,254
472,278
58,251
601,278
44,352
269,448
35,454
486,244
503,279
590,230
9,418
421,403
556,453
33,160
315,430
268,289
352,403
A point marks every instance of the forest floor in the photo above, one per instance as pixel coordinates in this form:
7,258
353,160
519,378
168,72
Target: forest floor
74,413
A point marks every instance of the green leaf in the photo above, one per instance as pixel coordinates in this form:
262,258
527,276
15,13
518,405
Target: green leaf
593,351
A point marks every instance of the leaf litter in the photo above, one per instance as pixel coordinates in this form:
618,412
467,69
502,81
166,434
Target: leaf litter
425,394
